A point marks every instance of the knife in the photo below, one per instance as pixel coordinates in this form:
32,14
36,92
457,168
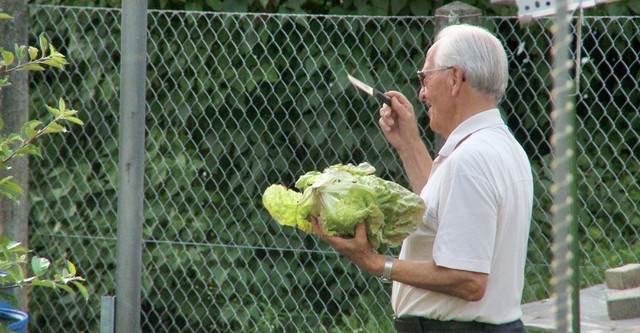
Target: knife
369,90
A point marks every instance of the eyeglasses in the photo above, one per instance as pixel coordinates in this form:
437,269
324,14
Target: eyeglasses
425,75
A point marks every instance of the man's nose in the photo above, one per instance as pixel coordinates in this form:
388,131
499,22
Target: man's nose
422,94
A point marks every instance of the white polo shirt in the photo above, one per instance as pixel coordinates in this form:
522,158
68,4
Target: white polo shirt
478,200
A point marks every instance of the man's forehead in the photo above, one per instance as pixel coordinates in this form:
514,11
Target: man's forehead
430,58
434,47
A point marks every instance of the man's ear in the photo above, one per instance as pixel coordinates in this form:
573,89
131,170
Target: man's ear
457,78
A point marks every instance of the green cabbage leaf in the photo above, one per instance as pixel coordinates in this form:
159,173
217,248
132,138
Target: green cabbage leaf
344,196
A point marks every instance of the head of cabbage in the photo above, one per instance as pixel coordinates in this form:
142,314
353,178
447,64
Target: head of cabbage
344,196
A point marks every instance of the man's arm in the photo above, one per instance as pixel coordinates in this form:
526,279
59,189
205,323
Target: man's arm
398,124
417,165
469,286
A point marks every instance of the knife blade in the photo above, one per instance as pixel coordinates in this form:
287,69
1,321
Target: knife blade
369,90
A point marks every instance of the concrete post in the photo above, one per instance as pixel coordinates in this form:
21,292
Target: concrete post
455,13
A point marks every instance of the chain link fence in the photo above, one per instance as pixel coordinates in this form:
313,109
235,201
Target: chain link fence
236,102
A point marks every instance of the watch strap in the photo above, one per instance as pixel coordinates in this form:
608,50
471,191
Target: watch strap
386,272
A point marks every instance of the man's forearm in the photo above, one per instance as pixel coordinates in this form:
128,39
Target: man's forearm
469,286
417,165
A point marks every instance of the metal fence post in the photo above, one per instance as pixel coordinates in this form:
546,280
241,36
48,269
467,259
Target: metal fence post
131,166
566,287
454,13
107,314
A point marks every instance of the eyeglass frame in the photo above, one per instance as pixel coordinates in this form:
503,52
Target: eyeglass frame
428,73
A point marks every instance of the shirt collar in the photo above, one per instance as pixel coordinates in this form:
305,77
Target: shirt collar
475,123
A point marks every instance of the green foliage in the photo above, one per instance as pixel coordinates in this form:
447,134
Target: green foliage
13,257
18,145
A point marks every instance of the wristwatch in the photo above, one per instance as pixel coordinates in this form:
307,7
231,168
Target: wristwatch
386,272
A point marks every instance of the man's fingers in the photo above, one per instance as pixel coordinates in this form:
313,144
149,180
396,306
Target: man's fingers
386,120
316,226
361,230
400,106
385,110
386,123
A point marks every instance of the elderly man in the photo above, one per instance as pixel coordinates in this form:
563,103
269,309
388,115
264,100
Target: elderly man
462,270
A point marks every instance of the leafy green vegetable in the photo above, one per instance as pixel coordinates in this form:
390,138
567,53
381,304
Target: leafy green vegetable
284,205
344,196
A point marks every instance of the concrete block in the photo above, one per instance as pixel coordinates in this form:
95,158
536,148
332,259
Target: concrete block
623,304
624,277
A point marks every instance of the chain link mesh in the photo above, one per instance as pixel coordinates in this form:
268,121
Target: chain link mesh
239,101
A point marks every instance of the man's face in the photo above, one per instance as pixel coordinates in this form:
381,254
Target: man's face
435,92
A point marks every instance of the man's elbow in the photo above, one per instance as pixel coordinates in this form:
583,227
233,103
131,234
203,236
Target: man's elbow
475,289
475,294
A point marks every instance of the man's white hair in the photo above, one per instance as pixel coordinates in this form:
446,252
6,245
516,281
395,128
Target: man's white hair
478,53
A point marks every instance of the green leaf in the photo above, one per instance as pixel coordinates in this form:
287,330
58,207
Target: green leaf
14,137
29,130
82,289
74,120
9,195
20,51
33,53
12,245
66,288
59,57
29,149
54,63
4,16
43,283
44,43
5,180
55,112
8,57
8,186
62,105
71,267
4,82
39,265
31,67
54,128
69,112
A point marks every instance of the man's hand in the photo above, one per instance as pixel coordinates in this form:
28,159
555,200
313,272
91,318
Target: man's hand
398,122
357,249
